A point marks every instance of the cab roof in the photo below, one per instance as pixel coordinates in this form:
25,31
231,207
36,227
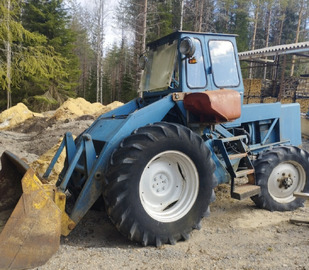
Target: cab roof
173,36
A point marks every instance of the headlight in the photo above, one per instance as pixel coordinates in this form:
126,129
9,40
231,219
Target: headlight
187,47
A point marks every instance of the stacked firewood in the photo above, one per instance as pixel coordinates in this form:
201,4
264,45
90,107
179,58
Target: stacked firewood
303,88
269,99
258,88
304,104
267,91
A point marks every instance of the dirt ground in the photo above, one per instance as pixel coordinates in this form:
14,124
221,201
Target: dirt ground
236,235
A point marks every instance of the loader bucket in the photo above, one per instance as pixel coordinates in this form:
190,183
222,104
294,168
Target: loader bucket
31,221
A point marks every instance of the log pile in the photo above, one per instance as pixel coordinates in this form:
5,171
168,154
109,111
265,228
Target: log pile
258,88
255,88
304,104
290,86
287,100
303,88
254,100
246,87
266,91
269,99
268,88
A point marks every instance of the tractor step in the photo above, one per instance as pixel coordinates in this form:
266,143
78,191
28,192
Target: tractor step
245,191
238,164
238,156
244,172
234,138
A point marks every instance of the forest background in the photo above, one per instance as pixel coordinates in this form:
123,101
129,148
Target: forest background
54,49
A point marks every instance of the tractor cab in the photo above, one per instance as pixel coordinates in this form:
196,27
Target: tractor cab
202,66
190,62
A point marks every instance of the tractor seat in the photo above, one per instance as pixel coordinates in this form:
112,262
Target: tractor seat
217,106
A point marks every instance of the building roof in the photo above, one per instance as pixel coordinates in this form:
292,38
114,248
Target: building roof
294,48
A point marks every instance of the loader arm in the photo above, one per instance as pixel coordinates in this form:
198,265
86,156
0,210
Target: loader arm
108,130
32,230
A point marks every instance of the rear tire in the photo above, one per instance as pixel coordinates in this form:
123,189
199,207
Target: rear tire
280,172
159,184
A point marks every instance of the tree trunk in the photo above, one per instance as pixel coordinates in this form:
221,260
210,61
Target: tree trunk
143,41
8,74
8,58
201,16
100,52
181,15
144,27
297,35
281,30
98,55
268,19
256,17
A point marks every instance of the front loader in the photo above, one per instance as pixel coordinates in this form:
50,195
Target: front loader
156,160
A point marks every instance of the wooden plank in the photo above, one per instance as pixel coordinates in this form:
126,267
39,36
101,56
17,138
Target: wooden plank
301,195
304,126
299,220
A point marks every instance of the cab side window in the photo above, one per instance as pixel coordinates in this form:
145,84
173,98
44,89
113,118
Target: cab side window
223,62
195,67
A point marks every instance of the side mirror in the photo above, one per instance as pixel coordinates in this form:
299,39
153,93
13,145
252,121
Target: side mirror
142,61
187,47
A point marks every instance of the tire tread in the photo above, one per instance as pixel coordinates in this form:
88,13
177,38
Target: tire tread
118,176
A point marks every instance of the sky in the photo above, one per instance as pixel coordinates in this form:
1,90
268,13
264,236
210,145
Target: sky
111,35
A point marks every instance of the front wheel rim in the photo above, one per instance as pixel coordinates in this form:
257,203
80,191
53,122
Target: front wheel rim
285,179
169,186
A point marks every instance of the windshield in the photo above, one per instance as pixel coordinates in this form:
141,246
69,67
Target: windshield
159,68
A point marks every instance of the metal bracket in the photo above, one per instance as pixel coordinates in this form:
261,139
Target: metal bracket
179,96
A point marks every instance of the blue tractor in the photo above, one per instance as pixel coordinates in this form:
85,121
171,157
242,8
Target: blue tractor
157,159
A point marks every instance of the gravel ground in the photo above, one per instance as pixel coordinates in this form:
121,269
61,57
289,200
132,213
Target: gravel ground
236,235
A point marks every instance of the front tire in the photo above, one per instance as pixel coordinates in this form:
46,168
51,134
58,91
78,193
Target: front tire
159,184
280,172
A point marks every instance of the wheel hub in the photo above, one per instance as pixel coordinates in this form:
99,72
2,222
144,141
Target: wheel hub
160,183
285,181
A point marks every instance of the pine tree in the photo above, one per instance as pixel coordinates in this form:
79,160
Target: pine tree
26,53
240,24
80,22
49,18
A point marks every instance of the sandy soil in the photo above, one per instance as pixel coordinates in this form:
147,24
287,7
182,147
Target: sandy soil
236,235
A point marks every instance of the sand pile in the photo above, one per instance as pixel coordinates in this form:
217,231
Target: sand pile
70,109
16,115
108,108
74,108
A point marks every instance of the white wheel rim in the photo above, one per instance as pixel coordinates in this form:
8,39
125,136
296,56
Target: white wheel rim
285,179
169,186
